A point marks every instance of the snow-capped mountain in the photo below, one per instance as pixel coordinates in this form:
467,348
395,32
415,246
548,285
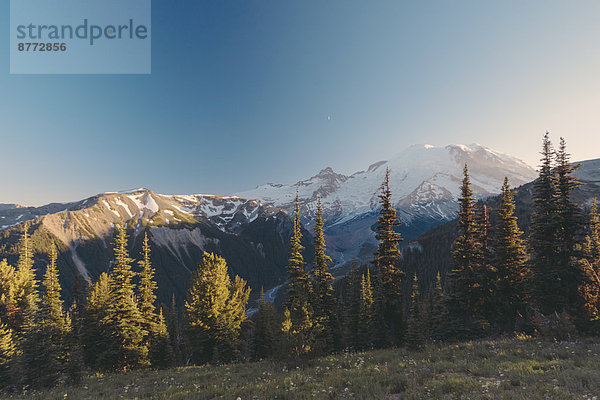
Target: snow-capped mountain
425,182
251,236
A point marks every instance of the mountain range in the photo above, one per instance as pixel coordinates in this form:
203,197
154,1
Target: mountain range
425,183
252,229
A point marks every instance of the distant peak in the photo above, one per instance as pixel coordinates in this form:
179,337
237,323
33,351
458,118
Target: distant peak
326,171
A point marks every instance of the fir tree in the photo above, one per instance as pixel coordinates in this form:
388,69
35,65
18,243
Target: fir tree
510,258
438,313
94,337
323,302
388,288
464,300
174,329
161,352
123,321
43,358
365,321
9,292
8,349
266,333
570,232
214,312
299,292
548,289
590,287
27,285
415,327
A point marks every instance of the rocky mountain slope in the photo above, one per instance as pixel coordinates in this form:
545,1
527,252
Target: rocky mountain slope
425,182
251,236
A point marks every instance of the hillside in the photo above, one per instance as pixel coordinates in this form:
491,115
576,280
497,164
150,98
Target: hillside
251,236
503,369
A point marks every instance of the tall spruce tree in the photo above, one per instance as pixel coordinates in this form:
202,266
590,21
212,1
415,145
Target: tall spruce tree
27,291
323,302
267,328
464,300
93,336
415,337
365,322
438,313
123,321
388,283
510,258
590,287
214,312
299,292
9,292
548,289
570,232
44,350
488,274
8,349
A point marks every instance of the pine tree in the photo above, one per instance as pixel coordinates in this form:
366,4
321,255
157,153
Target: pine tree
415,327
299,292
8,349
351,307
548,290
94,337
151,322
123,321
388,282
464,300
161,352
214,312
510,258
174,329
266,333
488,274
590,288
570,232
365,321
9,288
323,302
27,285
438,314
44,352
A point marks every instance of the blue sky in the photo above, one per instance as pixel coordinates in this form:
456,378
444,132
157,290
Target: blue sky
241,91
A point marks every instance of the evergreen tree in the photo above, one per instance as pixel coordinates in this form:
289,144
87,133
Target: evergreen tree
94,337
570,231
27,285
438,313
161,352
365,322
299,292
43,357
415,327
266,333
323,302
590,288
388,288
9,291
488,274
174,329
215,311
153,324
8,349
548,289
464,300
351,307
510,258
123,321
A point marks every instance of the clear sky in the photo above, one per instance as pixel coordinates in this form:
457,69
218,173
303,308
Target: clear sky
241,91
